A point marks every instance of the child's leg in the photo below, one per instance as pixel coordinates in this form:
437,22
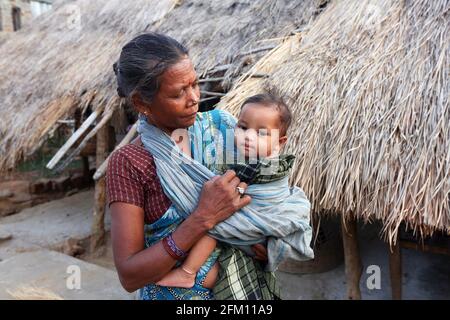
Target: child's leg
184,276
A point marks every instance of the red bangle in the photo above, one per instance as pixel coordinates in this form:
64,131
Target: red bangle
172,249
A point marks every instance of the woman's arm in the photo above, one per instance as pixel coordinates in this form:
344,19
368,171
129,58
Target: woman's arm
137,266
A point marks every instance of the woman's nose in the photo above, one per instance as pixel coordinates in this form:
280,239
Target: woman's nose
193,97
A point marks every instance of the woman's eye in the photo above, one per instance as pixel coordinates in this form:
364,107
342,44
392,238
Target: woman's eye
180,94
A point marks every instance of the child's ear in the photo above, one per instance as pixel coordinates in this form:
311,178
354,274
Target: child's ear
282,141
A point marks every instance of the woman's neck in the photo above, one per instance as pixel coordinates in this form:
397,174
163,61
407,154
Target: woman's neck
162,128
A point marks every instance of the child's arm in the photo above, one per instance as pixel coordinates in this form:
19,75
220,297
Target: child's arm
199,254
184,276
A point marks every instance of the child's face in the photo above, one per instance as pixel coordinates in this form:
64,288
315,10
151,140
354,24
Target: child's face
257,133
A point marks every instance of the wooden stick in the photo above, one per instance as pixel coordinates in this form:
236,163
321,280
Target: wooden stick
70,121
128,137
211,80
208,99
98,222
395,269
259,75
216,94
353,266
425,247
253,51
90,135
77,119
74,138
220,68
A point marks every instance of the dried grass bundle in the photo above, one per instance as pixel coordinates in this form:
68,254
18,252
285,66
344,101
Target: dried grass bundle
369,88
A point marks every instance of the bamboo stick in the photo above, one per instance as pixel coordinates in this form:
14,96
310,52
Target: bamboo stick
216,94
90,135
211,80
257,50
72,140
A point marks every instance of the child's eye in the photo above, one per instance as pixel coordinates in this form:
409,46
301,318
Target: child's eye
263,133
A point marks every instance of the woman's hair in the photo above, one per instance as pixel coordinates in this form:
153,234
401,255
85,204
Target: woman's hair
142,61
272,99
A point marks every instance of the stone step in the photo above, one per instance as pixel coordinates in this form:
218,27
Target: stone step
45,274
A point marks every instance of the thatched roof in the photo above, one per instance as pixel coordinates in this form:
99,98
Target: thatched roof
63,62
57,66
218,31
369,88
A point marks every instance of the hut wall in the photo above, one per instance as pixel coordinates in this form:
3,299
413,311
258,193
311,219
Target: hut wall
6,14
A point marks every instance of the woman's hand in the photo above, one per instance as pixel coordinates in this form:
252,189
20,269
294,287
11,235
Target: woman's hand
220,199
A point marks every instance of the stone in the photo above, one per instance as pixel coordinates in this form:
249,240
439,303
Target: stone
21,197
5,194
4,236
61,183
73,247
79,181
40,186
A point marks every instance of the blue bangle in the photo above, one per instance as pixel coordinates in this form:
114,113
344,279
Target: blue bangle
174,248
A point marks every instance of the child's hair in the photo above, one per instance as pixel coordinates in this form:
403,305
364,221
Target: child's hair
272,99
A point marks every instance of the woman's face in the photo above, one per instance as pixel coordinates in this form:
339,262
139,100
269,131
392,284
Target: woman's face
176,103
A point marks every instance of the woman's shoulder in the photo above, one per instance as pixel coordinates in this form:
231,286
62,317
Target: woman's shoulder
132,157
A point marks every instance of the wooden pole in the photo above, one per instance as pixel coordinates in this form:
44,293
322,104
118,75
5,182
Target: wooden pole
395,268
101,170
98,221
353,266
85,159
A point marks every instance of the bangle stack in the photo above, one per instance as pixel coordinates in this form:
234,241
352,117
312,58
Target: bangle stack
172,249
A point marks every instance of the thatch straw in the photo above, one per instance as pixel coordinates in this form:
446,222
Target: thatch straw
369,89
218,31
33,293
63,62
55,66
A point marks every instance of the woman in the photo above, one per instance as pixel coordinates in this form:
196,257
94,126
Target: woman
155,74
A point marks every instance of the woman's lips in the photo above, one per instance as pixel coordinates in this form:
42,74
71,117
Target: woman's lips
190,115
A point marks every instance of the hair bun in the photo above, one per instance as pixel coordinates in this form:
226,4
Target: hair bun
121,93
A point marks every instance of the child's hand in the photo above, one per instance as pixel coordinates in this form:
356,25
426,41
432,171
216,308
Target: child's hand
260,252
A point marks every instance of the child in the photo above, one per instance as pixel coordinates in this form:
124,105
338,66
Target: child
260,133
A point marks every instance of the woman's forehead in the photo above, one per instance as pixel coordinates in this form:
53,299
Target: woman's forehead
180,74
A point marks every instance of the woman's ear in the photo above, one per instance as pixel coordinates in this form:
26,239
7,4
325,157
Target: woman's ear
139,104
